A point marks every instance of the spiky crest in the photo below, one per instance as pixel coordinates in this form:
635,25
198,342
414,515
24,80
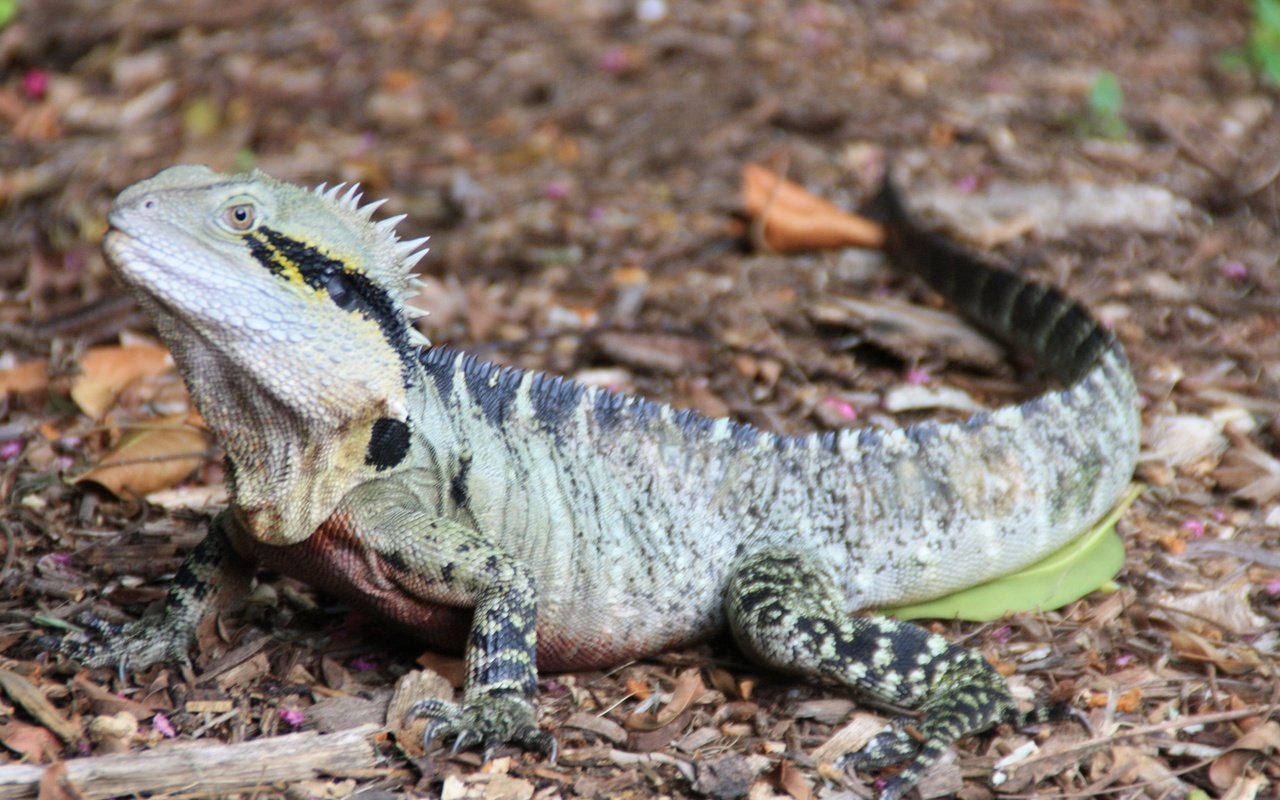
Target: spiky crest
394,259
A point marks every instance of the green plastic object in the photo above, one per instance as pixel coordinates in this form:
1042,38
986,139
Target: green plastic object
1083,565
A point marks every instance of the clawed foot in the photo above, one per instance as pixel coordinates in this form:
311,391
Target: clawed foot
134,644
488,722
896,744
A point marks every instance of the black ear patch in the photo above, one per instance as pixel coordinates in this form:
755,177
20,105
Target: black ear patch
388,444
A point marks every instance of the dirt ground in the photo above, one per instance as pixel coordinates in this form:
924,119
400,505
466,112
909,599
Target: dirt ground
577,166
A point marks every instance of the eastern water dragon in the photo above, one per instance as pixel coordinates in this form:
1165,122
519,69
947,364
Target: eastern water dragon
550,524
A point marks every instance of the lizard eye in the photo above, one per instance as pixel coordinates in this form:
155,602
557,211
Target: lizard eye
240,217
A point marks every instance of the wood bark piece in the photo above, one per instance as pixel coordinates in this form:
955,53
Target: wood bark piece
24,693
211,769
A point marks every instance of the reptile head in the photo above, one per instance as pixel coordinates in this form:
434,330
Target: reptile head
298,291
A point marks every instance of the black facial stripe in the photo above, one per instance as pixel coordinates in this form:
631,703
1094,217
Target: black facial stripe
348,290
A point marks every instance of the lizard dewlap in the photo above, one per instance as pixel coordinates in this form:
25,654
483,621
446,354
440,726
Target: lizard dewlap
537,522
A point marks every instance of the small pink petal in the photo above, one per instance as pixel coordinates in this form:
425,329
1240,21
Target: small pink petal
917,377
1194,526
555,190
1218,515
1272,587
292,718
615,60
843,408
163,726
11,449
35,83
1234,270
1002,634
967,184
1124,659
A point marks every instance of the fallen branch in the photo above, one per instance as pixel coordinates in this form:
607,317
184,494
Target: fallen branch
211,769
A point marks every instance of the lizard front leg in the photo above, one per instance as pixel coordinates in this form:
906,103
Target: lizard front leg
439,560
211,576
788,612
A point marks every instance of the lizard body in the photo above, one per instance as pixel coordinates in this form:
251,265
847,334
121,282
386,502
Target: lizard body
547,522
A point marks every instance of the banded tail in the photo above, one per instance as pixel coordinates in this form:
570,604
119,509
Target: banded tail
1028,315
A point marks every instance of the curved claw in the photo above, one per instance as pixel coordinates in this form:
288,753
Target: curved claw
466,738
890,746
488,722
542,742
435,728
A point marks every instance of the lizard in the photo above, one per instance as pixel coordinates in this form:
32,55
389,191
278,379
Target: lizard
543,523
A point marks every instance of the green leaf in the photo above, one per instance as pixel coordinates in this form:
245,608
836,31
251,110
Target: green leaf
1086,564
8,12
1106,98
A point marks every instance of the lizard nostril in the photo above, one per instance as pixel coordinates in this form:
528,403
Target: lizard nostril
149,203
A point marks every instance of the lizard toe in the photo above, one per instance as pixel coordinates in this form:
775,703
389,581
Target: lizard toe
892,745
489,722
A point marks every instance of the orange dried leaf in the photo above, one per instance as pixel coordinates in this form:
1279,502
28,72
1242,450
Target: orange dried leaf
1130,701
792,781
29,376
451,668
151,459
1173,544
34,743
106,371
793,220
689,687
638,688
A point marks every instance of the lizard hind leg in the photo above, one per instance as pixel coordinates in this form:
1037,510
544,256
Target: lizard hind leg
787,611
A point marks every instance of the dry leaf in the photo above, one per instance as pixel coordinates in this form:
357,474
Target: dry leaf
910,331
198,498
852,737
485,786
29,376
106,371
793,220
638,688
151,459
1224,606
24,693
604,728
793,782
1228,768
410,688
451,668
34,743
1192,647
1185,442
107,702
689,687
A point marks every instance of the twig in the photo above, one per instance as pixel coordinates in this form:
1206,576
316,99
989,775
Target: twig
216,769
1173,724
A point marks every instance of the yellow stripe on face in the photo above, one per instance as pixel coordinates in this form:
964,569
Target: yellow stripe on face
338,281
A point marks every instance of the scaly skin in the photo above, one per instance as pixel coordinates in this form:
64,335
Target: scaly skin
548,523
